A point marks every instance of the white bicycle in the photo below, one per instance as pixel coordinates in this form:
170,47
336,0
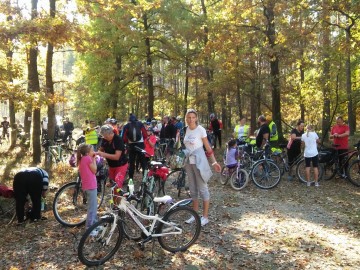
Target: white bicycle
172,229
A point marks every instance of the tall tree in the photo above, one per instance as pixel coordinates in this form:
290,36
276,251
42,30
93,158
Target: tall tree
49,83
34,87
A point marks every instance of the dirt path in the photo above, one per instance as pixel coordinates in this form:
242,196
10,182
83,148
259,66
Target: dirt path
289,227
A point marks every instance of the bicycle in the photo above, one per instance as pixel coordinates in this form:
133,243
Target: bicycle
54,153
264,172
152,184
281,159
238,175
70,202
100,242
332,165
162,148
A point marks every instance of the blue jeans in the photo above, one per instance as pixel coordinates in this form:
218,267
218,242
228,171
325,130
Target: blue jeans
91,196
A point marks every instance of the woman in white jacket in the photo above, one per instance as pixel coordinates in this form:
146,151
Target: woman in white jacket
196,165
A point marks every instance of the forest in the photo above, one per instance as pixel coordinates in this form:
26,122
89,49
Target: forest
93,59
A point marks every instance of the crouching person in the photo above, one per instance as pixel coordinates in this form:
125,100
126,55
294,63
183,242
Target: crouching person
33,182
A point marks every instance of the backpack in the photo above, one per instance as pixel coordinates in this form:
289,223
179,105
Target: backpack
134,132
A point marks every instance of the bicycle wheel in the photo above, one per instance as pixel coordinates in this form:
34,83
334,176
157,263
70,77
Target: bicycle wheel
329,170
69,207
224,175
300,171
277,158
190,231
265,174
7,209
130,228
239,179
353,173
48,159
100,191
66,153
175,183
100,242
146,204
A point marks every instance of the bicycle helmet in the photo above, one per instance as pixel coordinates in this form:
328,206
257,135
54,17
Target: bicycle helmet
113,121
212,115
178,118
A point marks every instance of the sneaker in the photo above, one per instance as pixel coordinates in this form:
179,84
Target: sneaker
317,184
204,221
190,220
308,184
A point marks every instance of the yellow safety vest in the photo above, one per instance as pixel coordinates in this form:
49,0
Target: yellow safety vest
237,128
91,137
273,137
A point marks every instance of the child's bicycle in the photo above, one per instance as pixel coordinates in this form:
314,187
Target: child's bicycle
238,176
100,242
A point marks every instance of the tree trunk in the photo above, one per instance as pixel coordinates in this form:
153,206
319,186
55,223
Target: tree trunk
49,81
208,71
114,97
149,67
187,71
274,67
351,116
34,86
326,73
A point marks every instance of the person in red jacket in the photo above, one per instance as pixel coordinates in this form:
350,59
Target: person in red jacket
340,135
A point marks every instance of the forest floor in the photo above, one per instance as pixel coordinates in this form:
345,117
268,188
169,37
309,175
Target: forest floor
289,227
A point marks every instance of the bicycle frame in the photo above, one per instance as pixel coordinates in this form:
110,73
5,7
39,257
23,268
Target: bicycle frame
134,213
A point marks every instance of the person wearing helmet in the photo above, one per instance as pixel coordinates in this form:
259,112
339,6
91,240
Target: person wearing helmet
113,123
215,127
273,131
5,128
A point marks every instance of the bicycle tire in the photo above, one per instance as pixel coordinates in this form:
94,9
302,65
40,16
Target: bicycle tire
239,179
130,228
224,175
69,206
48,159
300,171
329,170
94,250
353,173
175,183
146,205
190,232
265,174
279,162
7,209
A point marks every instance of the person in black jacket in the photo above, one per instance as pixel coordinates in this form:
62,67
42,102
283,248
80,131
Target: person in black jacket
33,182
68,128
168,133
134,134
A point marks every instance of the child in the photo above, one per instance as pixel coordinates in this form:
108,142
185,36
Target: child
87,169
150,143
231,154
310,138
